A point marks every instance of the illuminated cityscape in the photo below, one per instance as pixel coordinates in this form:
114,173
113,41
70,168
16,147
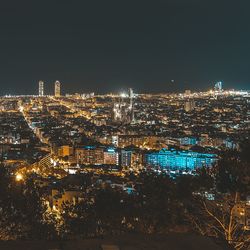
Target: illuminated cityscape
111,137
143,142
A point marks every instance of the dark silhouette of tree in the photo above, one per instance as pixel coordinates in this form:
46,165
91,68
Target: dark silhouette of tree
78,219
9,227
22,210
109,210
158,207
219,217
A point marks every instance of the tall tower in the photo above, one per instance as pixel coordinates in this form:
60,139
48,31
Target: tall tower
131,95
41,88
57,89
189,105
187,92
218,86
131,105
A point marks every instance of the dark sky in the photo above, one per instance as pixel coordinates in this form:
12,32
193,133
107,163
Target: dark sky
105,46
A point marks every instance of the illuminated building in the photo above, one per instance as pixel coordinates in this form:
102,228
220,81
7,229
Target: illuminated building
131,158
188,141
115,140
179,160
65,151
41,88
131,93
131,97
57,89
138,141
111,156
189,105
126,158
218,86
128,140
90,155
123,111
120,112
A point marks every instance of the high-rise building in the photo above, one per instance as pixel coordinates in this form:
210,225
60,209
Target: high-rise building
187,92
89,155
131,96
126,158
189,105
57,89
123,110
41,88
218,86
111,156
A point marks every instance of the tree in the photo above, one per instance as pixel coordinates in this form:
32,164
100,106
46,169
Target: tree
9,223
158,207
109,210
219,217
78,219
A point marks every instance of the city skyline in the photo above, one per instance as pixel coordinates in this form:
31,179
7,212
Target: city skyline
125,125
68,88
49,88
172,45
107,159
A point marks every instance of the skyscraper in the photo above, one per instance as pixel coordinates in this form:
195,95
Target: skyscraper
189,105
41,88
187,92
131,96
218,86
57,89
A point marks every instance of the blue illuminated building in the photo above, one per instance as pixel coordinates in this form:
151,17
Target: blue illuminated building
179,160
188,141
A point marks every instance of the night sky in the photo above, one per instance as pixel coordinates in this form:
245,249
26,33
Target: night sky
105,46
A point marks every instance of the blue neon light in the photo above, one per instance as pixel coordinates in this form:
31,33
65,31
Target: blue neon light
171,159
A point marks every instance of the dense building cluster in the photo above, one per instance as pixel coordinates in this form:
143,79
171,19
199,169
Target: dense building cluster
73,146
84,129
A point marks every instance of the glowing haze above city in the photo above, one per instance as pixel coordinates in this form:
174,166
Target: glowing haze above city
104,47
124,125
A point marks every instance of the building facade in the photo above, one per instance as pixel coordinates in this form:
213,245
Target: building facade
41,88
179,160
89,155
111,156
57,89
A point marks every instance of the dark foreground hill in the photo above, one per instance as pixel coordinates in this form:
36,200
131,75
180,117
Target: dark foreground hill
124,242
